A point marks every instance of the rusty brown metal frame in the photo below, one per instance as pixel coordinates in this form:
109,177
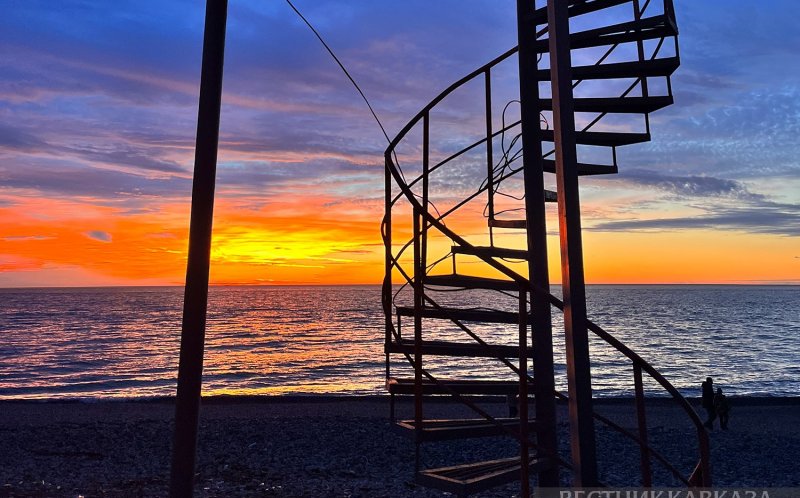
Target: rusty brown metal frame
419,272
574,297
542,329
584,457
701,475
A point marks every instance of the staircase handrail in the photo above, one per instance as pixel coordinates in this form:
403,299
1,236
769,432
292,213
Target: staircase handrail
701,474
703,442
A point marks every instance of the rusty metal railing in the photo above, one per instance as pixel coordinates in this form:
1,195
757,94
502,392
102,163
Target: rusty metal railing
425,220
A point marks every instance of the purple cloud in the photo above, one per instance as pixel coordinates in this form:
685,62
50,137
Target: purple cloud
99,235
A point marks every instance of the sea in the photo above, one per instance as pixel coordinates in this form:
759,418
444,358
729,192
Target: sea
96,344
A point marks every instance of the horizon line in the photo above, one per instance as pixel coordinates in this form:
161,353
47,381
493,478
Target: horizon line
775,283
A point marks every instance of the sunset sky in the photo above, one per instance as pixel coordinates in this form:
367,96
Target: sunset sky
98,106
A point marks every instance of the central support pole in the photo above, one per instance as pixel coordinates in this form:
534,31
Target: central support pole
533,169
195,302
584,458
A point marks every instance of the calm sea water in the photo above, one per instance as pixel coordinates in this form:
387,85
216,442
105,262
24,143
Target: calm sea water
98,343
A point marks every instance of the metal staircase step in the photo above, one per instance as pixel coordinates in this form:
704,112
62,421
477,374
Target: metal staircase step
578,7
460,386
463,480
649,28
549,196
584,169
516,224
469,282
491,252
465,349
462,315
640,105
602,138
636,69
449,429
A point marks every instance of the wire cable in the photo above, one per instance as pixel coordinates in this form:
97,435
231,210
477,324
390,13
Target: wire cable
330,51
358,88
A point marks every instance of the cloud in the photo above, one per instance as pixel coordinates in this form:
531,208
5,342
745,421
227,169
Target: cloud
690,186
162,235
750,134
125,155
26,238
98,109
99,235
326,169
777,221
729,119
722,204
73,180
15,138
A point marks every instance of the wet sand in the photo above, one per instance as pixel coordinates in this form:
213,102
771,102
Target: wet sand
343,447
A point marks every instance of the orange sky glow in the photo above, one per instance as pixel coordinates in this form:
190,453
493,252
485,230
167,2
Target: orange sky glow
307,242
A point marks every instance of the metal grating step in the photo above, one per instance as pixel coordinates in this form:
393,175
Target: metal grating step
472,478
460,386
649,28
515,224
641,105
491,252
579,7
657,67
469,282
447,348
462,314
584,169
602,138
449,429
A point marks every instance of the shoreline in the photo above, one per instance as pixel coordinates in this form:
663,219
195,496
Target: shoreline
376,398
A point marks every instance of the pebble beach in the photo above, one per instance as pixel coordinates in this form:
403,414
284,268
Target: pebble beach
343,447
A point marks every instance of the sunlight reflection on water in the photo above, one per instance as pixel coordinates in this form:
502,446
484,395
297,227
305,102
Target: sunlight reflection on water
123,342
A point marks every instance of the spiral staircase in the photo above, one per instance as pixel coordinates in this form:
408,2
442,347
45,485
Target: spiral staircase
466,295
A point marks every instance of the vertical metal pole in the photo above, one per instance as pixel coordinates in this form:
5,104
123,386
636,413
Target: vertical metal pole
418,297
544,387
584,458
637,16
489,152
420,250
387,279
426,133
641,418
524,449
190,369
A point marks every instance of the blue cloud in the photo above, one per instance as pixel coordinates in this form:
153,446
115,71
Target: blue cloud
690,186
776,221
15,138
99,235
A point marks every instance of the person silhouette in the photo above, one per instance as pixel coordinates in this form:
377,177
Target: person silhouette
513,405
708,402
722,408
